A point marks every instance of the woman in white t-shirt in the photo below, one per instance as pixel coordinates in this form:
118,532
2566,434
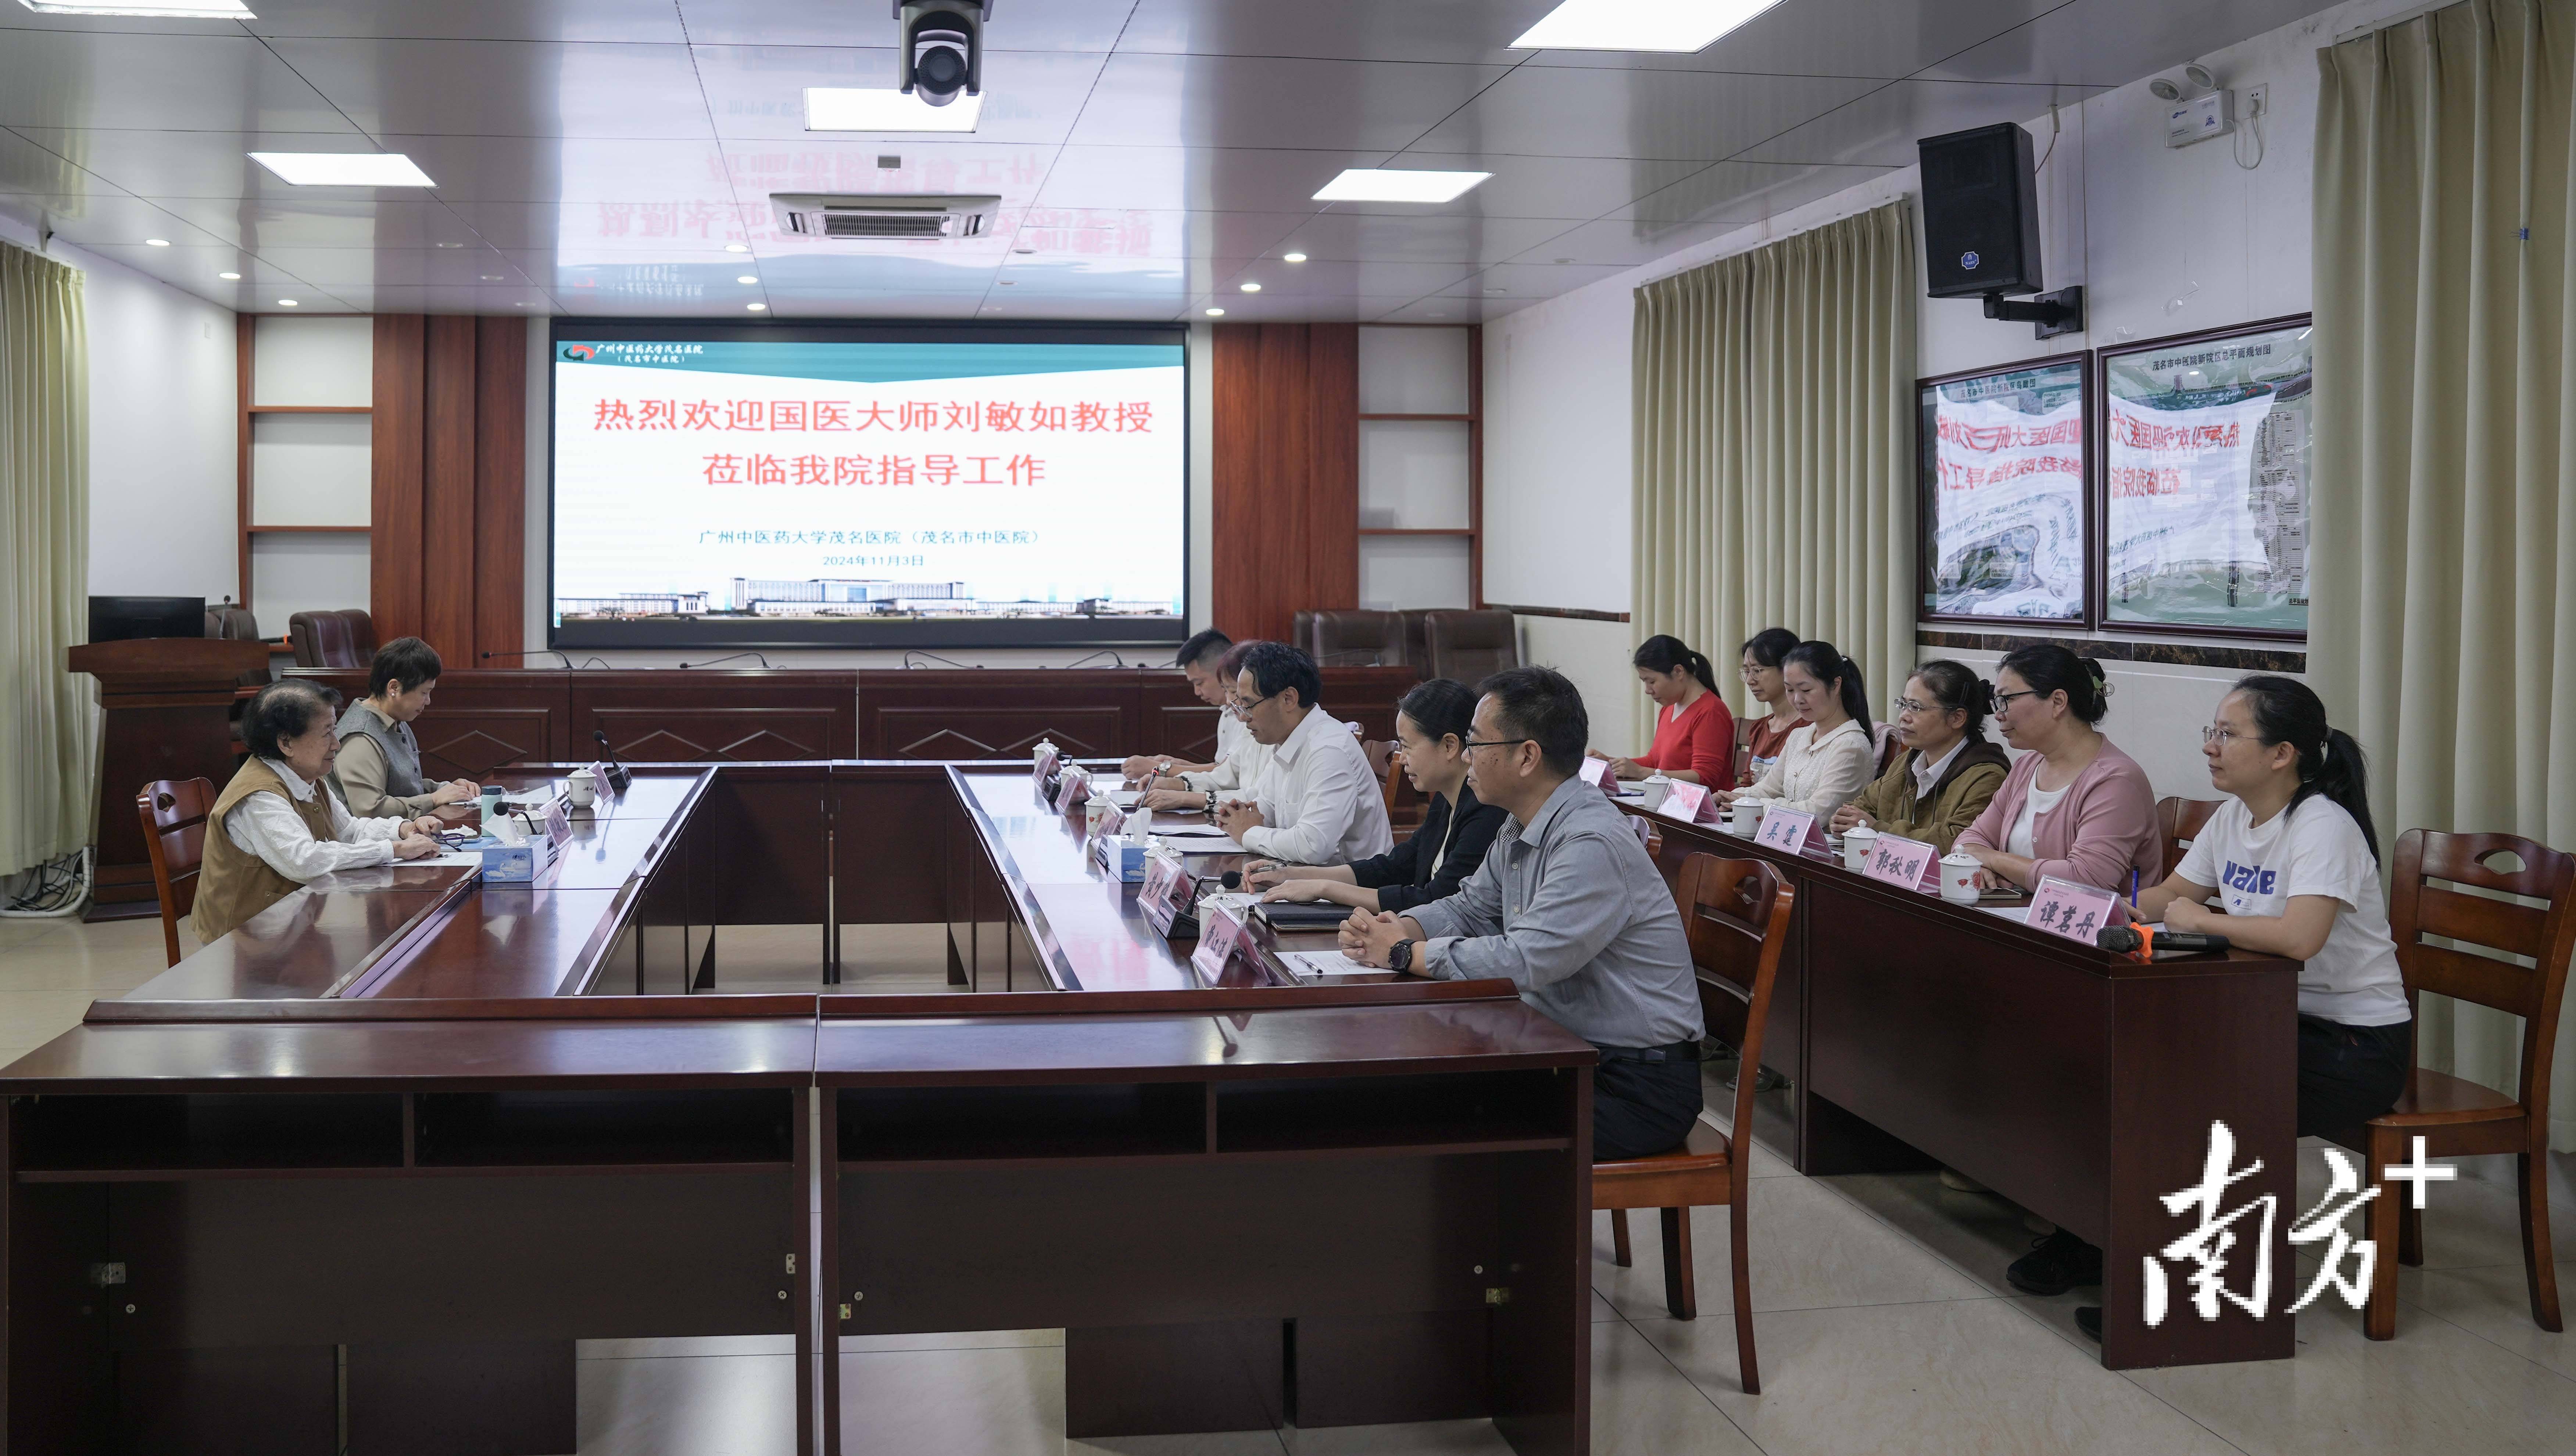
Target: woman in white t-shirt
2292,856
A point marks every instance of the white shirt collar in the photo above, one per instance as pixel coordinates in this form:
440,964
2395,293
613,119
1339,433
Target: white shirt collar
294,781
1290,747
1928,774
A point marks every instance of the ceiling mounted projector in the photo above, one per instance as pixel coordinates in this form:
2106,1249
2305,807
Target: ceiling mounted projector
942,48
916,216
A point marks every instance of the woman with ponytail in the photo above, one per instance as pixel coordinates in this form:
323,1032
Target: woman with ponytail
1694,733
1825,764
2075,806
2292,856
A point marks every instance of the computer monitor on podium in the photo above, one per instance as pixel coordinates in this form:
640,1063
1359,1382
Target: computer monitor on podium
122,619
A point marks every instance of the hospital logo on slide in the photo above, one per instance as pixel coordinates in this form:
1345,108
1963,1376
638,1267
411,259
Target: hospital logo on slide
578,351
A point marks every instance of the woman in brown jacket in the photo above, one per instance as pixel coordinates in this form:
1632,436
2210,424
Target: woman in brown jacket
1948,772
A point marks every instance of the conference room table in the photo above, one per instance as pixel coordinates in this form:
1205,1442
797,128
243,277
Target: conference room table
357,1175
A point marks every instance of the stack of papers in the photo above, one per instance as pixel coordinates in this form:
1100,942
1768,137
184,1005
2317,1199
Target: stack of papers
1306,965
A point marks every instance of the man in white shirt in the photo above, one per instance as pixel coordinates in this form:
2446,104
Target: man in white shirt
1317,801
1210,661
280,828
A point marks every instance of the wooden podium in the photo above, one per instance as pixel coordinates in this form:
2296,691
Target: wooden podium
168,715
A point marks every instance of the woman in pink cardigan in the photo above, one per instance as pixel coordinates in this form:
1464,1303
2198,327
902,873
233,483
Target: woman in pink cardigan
2074,806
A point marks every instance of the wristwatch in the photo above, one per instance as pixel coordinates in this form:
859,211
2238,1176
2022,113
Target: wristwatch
1211,808
1399,957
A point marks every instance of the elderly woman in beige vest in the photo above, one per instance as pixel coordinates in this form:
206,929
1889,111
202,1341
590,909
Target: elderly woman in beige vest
275,827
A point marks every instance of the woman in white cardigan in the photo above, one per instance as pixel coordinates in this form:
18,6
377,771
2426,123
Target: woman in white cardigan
1826,764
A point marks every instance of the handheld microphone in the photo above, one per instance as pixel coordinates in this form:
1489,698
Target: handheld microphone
2141,942
618,775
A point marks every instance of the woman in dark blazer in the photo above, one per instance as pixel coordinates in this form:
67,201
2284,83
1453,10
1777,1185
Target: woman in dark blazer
1431,726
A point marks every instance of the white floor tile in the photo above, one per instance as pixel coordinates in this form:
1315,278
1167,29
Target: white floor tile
1809,1250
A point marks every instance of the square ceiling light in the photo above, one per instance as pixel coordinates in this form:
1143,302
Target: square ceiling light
159,9
851,108
1638,25
344,169
1393,184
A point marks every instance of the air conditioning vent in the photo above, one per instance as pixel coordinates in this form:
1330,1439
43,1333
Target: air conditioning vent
915,216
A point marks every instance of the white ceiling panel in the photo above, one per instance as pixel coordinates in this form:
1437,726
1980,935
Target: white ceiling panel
2113,42
1562,111
1478,34
506,88
1250,101
599,156
759,91
559,20
155,81
1881,128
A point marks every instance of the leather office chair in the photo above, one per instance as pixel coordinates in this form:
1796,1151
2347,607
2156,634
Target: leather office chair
173,813
2179,821
345,638
1417,638
1737,914
1342,637
1468,647
2457,1118
236,624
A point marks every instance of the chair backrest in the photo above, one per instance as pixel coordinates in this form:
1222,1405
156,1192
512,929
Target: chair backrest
344,638
1745,723
2180,821
1737,914
2544,933
1343,637
1468,647
1417,636
173,814
1883,740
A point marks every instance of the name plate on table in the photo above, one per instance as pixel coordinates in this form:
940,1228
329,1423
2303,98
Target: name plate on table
1071,788
1685,802
1044,763
1167,895
2063,907
1908,864
1221,944
1791,831
559,820
1596,772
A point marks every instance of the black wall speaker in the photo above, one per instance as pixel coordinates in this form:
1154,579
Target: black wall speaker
1980,212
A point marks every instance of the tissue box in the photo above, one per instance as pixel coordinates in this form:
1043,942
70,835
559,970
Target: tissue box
1120,856
506,864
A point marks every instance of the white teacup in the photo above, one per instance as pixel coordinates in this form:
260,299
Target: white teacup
1656,789
1857,843
1959,878
583,786
1095,812
1744,816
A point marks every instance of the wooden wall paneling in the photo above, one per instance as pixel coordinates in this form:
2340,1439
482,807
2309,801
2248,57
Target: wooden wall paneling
500,485
394,543
447,488
674,716
998,713
1286,484
768,865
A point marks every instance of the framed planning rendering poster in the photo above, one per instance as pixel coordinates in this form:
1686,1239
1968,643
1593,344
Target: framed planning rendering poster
2006,517
2205,453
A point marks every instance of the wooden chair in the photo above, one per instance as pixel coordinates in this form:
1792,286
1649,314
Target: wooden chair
2180,821
1404,807
1737,913
2456,1118
173,812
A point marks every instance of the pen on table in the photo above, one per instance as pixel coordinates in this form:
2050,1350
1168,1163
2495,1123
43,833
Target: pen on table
2133,887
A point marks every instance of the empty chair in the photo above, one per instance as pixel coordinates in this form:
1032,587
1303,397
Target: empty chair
1469,646
345,638
2180,821
173,813
2456,1118
1737,914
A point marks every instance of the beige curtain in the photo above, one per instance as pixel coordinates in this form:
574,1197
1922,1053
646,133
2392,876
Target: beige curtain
2445,607
1774,448
47,770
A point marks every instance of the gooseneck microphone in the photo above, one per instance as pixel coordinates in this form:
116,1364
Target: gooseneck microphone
2143,943
618,775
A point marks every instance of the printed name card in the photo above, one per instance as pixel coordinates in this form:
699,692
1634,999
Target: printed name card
2062,907
1113,820
559,820
1596,772
1166,893
1220,941
1685,802
1906,863
1071,789
1790,831
1045,761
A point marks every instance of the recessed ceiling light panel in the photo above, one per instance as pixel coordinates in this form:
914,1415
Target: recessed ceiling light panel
850,108
343,169
163,10
229,277
1624,25
1392,184
1292,257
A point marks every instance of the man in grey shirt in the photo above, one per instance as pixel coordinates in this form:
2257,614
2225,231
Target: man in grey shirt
1567,907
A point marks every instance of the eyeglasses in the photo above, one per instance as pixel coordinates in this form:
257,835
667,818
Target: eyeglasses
1908,705
2004,701
2222,737
1492,742
1243,709
1752,672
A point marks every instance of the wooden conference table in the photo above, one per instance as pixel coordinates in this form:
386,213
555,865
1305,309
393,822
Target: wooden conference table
357,1175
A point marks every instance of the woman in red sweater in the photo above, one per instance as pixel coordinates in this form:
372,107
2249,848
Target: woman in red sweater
1694,733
